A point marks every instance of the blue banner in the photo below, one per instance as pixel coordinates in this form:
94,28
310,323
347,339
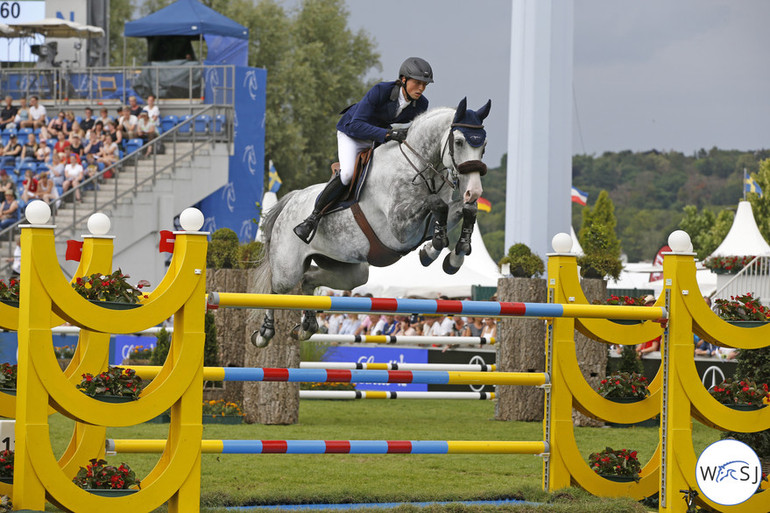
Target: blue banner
236,205
376,354
124,345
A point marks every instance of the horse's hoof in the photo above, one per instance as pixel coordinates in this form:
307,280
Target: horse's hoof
295,332
440,243
309,323
447,265
425,259
463,248
258,340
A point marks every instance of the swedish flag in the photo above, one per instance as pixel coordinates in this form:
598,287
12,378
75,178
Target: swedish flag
275,181
750,185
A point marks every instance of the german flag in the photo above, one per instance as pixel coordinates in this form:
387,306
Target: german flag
484,205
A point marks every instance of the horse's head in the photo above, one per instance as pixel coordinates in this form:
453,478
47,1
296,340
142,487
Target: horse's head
466,143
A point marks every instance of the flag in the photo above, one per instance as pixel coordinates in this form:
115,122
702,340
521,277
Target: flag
275,181
750,185
658,261
166,244
74,250
579,196
484,205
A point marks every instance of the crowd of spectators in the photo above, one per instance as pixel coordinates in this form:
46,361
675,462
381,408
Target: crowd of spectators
43,157
405,325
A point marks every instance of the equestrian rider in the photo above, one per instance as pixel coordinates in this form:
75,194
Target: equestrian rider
370,120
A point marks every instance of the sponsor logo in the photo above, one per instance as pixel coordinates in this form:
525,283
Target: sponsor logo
250,158
228,194
246,227
209,225
728,472
250,81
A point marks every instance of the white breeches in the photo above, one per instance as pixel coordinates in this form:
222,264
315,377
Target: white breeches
348,149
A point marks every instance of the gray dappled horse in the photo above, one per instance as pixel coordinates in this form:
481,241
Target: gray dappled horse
414,192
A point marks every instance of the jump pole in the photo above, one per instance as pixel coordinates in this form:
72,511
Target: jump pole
337,447
388,394
402,339
400,366
433,306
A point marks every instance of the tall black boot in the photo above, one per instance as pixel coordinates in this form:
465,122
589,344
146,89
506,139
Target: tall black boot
331,193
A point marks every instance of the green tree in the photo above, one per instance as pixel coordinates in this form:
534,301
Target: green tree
760,205
601,246
706,230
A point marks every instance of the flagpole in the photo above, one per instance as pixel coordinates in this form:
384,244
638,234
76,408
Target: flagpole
745,177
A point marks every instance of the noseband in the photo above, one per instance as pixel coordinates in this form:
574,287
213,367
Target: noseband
469,166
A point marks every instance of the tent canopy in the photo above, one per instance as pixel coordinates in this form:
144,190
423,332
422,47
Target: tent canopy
185,18
744,238
170,30
54,27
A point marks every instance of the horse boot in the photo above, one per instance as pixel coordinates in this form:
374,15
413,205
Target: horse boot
463,246
331,193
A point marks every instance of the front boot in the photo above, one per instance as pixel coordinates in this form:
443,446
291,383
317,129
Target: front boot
306,229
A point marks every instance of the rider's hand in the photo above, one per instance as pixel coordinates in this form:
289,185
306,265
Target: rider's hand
396,134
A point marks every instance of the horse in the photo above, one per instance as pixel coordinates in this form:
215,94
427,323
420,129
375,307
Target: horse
431,180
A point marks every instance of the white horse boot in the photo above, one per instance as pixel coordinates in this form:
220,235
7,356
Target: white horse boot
331,193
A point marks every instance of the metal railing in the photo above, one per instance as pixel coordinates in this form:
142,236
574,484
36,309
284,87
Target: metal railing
100,183
753,278
62,85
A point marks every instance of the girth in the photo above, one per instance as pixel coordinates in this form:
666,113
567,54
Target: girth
379,254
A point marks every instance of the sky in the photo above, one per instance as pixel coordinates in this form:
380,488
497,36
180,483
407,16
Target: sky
657,74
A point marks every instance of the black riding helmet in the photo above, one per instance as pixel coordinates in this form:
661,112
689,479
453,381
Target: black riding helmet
417,69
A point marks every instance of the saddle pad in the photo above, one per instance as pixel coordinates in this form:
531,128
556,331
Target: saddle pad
363,163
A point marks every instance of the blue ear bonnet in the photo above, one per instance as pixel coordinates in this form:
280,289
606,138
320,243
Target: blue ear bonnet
470,123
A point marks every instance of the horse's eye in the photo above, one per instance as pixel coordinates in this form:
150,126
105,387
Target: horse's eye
458,142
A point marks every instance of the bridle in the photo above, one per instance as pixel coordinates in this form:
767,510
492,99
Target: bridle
462,168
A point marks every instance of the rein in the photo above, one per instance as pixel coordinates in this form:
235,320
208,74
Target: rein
428,166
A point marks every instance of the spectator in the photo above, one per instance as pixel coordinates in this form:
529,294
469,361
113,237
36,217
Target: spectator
43,153
115,134
490,328
6,184
390,325
57,124
29,150
152,110
703,348
110,152
367,323
9,210
350,324
22,114
458,327
73,175
30,187
474,327
145,129
91,168
71,125
38,116
133,107
16,260
11,151
76,146
88,121
47,190
104,117
441,327
127,124
44,135
57,170
62,146
8,114
94,144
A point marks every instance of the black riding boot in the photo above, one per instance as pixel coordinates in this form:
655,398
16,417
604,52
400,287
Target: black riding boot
307,228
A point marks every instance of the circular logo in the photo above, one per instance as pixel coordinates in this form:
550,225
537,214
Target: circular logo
728,472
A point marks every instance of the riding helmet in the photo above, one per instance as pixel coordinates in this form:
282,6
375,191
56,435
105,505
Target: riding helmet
416,68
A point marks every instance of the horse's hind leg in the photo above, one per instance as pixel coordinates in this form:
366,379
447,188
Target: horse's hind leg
454,260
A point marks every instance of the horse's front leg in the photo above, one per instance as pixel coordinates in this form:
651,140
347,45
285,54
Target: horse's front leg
440,211
454,260
261,338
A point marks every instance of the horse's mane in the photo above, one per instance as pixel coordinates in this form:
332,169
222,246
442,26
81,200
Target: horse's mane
431,124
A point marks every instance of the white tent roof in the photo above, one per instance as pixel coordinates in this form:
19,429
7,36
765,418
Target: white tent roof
744,238
637,276
408,277
576,247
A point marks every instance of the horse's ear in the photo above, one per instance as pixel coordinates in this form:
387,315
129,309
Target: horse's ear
461,108
483,112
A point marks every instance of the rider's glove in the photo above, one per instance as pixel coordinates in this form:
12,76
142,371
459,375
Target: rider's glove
397,134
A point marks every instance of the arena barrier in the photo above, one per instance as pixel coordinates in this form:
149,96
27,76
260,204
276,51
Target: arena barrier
47,298
401,339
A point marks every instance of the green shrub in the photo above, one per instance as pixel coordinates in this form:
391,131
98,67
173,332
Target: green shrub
162,345
248,254
223,249
601,247
523,263
211,348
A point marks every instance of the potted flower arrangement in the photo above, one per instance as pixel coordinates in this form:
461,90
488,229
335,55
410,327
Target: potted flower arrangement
740,395
623,387
5,504
102,479
616,465
111,291
114,385
219,411
622,301
9,292
727,264
745,310
8,378
6,466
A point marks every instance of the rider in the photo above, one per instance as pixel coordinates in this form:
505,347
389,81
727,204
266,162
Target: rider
369,120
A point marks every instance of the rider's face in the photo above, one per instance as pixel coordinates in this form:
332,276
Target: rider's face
415,88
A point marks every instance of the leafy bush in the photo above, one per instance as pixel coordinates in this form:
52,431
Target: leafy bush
162,345
98,475
601,247
523,263
732,391
115,381
223,249
609,462
210,349
741,308
113,287
621,385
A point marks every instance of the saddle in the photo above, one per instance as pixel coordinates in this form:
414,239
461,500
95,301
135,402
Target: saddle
379,255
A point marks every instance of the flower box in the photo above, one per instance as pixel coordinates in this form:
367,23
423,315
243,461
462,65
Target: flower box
111,492
748,324
617,465
6,479
10,302
741,308
624,387
627,322
117,399
618,479
744,407
8,391
114,305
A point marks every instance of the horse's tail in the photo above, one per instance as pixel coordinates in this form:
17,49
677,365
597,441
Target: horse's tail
263,276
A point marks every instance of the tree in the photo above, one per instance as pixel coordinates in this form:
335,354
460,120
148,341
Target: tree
706,230
601,246
760,205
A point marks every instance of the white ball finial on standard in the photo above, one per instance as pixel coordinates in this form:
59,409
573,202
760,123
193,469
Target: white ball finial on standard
191,219
562,242
37,212
679,242
99,224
